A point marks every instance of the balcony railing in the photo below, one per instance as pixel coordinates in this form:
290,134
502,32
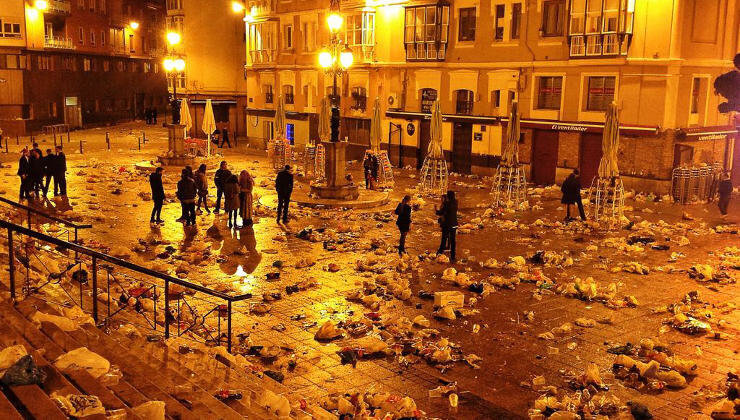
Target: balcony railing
63,7
263,56
594,45
61,43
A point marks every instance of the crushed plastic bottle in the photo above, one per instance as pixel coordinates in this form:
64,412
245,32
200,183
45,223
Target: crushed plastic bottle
453,400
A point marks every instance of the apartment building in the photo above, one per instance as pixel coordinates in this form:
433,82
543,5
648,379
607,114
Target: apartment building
79,62
212,45
564,61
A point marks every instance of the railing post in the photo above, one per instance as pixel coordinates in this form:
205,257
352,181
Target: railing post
166,308
228,333
94,287
154,298
76,255
29,218
11,264
107,140
80,146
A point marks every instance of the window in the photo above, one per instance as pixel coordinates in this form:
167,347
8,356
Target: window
147,67
81,35
498,33
600,27
600,92
268,93
359,98
426,30
131,43
177,24
548,92
52,109
288,94
360,29
552,17
44,62
288,40
309,36
466,24
290,133
10,29
102,6
106,65
464,102
92,38
174,4
86,64
516,20
695,92
119,65
102,38
496,98
261,41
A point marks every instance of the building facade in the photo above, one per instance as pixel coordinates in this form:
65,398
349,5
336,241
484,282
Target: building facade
212,45
564,61
79,62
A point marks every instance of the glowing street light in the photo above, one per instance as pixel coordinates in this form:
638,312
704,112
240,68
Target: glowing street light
173,38
237,6
173,66
134,25
41,5
334,20
325,59
345,58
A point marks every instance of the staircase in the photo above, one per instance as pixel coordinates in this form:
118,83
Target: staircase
185,381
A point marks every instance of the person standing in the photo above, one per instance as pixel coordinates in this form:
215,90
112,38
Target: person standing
154,115
284,188
231,199
60,172
246,185
225,138
222,174
186,192
448,223
49,162
155,181
725,193
571,189
403,211
24,172
37,171
367,166
201,182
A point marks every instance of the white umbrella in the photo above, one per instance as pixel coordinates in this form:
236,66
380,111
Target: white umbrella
280,119
185,118
375,130
324,126
435,145
209,124
610,143
513,130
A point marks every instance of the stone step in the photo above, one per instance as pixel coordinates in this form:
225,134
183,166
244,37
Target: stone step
7,410
35,402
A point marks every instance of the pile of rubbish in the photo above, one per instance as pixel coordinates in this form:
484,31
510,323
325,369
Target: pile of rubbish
590,290
371,404
694,317
651,366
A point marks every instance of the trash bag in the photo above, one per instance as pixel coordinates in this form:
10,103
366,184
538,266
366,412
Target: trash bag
639,411
82,358
23,372
150,410
10,356
79,405
278,376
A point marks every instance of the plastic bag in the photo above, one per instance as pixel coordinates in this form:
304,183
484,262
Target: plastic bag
150,410
79,405
9,356
82,358
24,372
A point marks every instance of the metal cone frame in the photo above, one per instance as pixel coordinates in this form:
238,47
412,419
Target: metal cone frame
510,183
606,195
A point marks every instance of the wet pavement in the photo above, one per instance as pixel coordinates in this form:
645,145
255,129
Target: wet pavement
504,322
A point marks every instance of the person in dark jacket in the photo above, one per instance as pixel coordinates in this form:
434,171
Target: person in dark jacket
49,162
448,223
284,188
403,211
201,182
155,181
37,171
725,193
571,189
231,199
225,138
186,192
24,172
60,172
222,174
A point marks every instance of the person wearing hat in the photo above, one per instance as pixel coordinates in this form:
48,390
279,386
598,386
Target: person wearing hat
284,188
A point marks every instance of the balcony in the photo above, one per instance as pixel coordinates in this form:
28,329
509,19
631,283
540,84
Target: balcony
59,7
59,43
263,56
363,53
596,45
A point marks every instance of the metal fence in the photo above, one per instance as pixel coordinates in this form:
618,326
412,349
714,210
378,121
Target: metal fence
697,183
36,216
160,301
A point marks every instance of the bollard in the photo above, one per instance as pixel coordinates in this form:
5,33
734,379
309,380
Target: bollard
6,145
143,137
138,139
68,140
33,138
17,140
55,136
107,140
80,146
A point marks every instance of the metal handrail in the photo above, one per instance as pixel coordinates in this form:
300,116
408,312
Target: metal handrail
96,255
45,215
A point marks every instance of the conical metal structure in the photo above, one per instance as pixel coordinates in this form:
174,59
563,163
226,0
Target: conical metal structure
281,151
385,170
434,172
510,183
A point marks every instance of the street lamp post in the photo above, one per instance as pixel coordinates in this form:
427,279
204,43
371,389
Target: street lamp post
335,59
174,66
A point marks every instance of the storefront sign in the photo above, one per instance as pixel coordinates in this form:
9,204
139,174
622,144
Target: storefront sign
719,132
478,136
428,96
410,129
562,127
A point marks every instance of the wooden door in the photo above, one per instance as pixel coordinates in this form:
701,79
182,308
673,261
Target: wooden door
589,157
462,147
425,138
544,156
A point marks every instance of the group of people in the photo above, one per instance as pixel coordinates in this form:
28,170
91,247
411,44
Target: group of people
37,170
446,217
150,116
192,192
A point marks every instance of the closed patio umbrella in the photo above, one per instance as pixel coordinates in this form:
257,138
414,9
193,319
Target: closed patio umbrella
608,166
513,130
435,144
209,124
185,118
375,130
324,127
280,119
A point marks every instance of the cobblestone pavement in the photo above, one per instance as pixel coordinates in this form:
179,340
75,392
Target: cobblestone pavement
507,340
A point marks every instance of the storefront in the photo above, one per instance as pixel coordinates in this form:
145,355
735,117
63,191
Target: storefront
707,145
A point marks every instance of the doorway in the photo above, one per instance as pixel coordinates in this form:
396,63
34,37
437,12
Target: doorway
425,137
72,112
589,157
544,156
462,147
683,155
